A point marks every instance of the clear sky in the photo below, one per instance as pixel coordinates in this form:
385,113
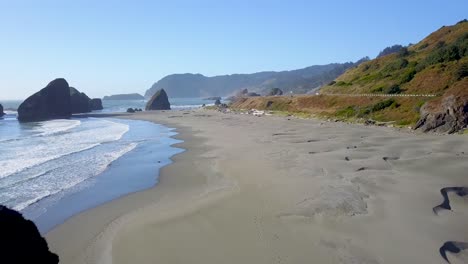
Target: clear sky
108,47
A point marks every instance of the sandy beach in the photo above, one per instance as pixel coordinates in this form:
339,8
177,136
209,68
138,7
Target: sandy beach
282,190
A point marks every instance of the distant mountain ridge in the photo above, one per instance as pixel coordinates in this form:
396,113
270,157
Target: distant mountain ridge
298,81
132,96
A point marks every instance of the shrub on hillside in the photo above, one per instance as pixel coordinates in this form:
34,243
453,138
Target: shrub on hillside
461,72
382,105
394,89
275,91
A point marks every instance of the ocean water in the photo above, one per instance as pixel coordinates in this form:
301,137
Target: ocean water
54,169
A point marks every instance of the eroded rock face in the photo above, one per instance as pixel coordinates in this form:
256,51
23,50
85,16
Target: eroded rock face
20,241
448,116
53,101
95,104
159,101
80,102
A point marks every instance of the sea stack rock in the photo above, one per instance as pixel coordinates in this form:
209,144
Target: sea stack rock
51,102
95,104
80,102
1,111
21,242
159,101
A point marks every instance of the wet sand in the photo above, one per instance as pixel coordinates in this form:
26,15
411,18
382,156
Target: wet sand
282,190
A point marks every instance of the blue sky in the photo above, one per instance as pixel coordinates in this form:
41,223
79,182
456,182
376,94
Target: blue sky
108,47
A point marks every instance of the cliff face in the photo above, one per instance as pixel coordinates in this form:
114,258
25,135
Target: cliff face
298,81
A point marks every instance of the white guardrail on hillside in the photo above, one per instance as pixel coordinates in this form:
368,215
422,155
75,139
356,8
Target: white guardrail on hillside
381,95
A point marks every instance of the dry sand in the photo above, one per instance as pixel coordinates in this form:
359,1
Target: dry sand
282,190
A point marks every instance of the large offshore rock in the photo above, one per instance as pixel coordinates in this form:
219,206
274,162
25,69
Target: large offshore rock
95,104
80,102
1,111
21,242
159,101
51,102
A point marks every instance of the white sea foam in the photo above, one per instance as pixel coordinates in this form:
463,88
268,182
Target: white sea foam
56,126
63,138
63,175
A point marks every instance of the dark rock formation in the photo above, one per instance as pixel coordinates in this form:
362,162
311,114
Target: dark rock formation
51,102
95,104
159,101
1,111
217,102
252,94
448,115
275,91
80,102
130,110
132,96
21,242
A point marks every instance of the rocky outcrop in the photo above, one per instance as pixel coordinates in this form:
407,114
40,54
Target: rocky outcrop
51,102
1,111
448,115
80,102
217,102
159,101
20,240
95,104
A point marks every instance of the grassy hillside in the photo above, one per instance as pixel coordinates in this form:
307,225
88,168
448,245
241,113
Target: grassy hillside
432,66
438,65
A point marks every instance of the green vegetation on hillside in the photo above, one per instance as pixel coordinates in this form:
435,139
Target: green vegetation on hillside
438,65
433,66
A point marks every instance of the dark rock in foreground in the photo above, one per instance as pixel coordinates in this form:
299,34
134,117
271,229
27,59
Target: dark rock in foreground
80,102
51,102
217,102
159,101
130,110
1,111
95,104
447,116
21,242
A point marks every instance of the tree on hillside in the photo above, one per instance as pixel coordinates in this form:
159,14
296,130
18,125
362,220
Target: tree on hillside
390,50
275,91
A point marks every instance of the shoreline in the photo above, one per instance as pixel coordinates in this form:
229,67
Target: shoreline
74,224
270,189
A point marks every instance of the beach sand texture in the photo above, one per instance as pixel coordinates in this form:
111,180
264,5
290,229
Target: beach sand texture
282,190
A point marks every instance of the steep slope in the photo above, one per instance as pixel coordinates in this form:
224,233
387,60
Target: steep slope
432,66
298,81
424,85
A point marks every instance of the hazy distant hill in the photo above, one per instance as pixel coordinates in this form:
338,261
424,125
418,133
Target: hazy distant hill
298,81
132,96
